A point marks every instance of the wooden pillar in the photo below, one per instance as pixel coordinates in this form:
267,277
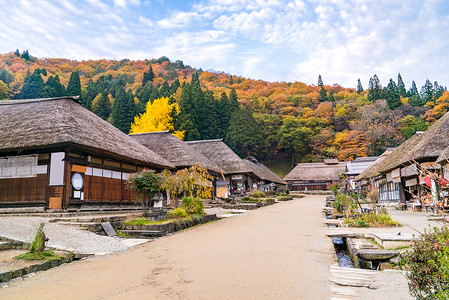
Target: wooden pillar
67,184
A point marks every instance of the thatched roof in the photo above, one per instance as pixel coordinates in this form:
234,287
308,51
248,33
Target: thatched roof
360,164
174,150
316,172
218,152
54,122
373,169
422,147
263,172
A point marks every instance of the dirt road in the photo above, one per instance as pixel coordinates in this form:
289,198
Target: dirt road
276,252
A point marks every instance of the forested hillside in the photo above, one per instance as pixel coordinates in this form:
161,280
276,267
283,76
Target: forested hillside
268,120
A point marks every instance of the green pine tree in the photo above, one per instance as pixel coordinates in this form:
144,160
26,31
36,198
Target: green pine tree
359,86
74,86
401,87
392,95
427,92
375,89
148,76
244,134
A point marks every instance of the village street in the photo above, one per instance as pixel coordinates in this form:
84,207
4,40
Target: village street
276,252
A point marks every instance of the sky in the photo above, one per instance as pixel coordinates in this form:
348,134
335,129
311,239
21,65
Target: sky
273,40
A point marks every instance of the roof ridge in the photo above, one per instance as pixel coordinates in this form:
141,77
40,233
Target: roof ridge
24,101
204,141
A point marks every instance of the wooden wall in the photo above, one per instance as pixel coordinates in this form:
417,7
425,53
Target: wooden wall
23,191
106,190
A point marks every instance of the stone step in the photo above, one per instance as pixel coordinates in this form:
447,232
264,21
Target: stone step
143,233
4,245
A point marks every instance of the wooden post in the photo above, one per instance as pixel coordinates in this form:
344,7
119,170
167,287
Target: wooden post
67,189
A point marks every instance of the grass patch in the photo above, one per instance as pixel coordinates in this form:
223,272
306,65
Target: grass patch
279,166
122,234
44,255
371,220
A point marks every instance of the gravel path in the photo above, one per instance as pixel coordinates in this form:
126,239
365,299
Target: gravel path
64,237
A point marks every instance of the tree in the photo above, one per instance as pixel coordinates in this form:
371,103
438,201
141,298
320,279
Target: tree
25,55
294,137
74,86
401,87
375,89
427,92
120,110
359,86
320,81
392,95
157,117
145,183
4,91
411,124
103,108
6,76
438,90
53,88
244,133
148,76
33,86
187,118
17,53
270,125
413,94
323,95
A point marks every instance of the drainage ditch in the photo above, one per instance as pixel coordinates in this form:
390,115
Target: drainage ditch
341,249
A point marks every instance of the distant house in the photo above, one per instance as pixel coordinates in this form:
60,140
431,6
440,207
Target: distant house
174,150
356,167
240,175
55,153
268,181
315,176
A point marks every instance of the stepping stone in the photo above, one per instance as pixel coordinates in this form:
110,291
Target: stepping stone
376,254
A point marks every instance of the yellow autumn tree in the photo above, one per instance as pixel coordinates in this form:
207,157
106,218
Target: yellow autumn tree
157,117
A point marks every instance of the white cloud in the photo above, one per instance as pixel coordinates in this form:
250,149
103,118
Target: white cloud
267,39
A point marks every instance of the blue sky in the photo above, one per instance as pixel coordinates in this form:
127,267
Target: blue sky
261,39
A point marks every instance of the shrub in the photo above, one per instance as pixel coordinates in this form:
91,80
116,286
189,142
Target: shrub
145,183
285,198
258,194
193,205
287,191
371,219
270,201
177,213
429,265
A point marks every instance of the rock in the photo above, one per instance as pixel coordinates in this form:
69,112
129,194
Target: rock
369,254
385,266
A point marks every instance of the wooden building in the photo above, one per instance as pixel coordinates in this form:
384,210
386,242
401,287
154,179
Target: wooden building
355,167
315,176
400,176
174,150
55,153
268,181
239,177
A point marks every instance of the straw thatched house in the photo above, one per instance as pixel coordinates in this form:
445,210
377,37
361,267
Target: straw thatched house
400,176
356,167
55,153
268,181
175,150
315,176
238,175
